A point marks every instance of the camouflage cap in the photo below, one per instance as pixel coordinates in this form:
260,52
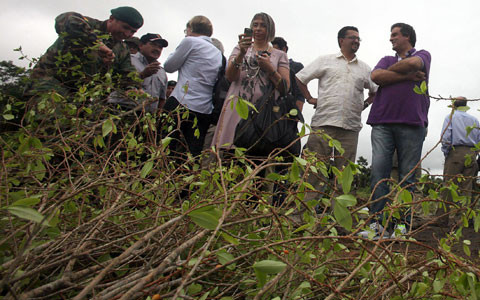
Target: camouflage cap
129,15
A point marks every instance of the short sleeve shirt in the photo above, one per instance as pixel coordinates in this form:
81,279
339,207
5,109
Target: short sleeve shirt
340,90
397,102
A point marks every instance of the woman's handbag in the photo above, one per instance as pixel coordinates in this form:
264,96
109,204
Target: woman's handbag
272,127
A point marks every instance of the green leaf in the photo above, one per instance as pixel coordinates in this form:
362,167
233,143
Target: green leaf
230,239
269,266
293,112
147,167
468,160
423,87
405,196
206,217
303,227
27,213
466,247
347,179
426,207
242,108
294,172
302,131
301,161
204,297
224,257
343,216
417,90
194,288
8,117
107,127
39,170
346,200
469,129
437,285
31,201
433,194
476,223
420,289
337,145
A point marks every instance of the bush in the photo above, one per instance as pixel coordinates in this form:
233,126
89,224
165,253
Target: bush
94,206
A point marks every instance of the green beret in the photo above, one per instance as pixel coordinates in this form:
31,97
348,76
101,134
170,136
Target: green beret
129,15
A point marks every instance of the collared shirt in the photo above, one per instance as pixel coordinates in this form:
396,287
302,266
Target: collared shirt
397,102
155,85
456,132
197,61
340,90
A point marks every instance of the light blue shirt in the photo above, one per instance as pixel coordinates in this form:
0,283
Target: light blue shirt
456,132
197,61
155,85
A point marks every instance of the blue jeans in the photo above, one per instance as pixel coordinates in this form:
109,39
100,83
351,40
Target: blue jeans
386,138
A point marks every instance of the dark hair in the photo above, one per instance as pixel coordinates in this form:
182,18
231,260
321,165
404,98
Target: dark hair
201,25
406,30
171,83
342,32
460,101
280,42
269,23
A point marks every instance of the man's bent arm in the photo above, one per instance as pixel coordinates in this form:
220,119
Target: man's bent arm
385,77
407,65
304,90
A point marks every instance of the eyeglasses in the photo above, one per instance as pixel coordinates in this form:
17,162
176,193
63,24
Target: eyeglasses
353,38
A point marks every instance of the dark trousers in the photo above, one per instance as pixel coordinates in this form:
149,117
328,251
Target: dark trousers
185,139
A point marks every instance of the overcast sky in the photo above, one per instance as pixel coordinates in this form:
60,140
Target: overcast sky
447,29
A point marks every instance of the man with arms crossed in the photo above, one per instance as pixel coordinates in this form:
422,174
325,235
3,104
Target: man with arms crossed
398,118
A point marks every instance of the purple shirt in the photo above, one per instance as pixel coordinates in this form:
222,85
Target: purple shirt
398,103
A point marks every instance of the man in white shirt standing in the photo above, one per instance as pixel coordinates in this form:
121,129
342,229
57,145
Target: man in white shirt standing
197,61
342,78
149,69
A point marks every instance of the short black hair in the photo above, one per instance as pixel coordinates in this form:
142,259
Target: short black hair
342,32
171,83
280,42
406,30
460,101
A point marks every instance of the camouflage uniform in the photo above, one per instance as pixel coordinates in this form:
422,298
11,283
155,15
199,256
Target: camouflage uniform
72,60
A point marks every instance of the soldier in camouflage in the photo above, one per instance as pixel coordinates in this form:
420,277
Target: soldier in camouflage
85,48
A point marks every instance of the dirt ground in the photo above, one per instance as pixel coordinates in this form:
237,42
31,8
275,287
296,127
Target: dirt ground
430,234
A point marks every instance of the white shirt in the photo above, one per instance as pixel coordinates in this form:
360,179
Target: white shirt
340,90
197,61
155,85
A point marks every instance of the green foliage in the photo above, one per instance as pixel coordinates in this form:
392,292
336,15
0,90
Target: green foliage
95,195
422,89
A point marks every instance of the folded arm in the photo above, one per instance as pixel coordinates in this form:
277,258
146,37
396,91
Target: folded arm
406,69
